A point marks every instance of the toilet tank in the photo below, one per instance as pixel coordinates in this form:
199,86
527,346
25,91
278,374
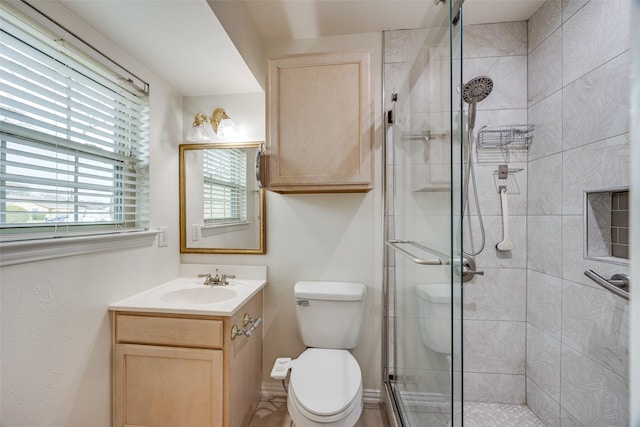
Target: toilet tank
330,314
434,315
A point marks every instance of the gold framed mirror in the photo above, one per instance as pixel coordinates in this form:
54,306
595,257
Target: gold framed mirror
222,204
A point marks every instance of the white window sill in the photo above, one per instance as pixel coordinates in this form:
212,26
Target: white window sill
211,230
19,252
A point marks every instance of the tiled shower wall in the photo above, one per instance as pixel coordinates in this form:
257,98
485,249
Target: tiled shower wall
578,96
495,303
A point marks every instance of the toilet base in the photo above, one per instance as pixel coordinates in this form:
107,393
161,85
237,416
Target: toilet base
349,418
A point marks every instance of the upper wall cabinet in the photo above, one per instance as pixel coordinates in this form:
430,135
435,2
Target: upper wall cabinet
320,123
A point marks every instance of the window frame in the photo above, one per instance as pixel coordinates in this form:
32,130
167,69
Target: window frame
231,186
26,242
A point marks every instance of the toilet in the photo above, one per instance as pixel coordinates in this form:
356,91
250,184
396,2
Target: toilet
434,311
325,384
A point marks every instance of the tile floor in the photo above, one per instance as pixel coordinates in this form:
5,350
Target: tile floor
273,413
477,414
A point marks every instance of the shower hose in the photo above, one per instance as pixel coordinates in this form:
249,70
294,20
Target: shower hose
471,176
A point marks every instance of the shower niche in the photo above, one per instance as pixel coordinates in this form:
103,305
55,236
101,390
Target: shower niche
607,225
430,172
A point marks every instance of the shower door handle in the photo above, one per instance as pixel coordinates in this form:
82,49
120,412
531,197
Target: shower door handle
437,261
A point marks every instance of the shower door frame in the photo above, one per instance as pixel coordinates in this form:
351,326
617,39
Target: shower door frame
453,259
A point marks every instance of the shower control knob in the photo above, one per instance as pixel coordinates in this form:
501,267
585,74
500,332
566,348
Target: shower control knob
465,271
469,269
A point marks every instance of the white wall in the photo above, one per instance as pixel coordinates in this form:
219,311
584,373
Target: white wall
55,336
309,237
247,110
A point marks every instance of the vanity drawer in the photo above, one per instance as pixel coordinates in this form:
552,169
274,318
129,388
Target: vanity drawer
183,332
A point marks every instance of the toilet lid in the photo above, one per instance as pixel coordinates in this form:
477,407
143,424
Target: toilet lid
325,381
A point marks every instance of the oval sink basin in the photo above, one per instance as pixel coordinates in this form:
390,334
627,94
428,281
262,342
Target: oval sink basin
202,295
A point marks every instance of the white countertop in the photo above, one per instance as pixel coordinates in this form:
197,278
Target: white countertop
188,295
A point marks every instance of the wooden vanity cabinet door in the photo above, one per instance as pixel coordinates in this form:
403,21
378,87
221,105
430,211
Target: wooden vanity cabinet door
245,366
168,386
320,123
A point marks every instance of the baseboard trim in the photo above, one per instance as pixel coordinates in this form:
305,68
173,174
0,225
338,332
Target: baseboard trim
271,390
274,390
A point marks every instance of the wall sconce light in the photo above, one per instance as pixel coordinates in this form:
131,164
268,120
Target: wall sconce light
204,127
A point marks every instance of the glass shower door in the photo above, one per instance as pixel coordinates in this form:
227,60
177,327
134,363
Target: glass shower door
423,192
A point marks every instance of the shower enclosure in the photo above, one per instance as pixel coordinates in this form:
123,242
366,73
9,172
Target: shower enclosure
424,259
529,333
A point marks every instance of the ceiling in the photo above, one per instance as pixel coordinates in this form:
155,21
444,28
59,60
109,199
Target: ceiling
184,43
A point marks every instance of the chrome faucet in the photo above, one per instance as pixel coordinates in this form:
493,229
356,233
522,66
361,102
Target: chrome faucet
217,280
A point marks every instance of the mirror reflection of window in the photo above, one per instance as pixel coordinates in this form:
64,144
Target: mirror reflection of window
222,207
225,187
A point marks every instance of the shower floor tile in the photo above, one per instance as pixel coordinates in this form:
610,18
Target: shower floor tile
478,414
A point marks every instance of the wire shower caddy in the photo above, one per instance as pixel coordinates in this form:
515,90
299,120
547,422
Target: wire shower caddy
516,137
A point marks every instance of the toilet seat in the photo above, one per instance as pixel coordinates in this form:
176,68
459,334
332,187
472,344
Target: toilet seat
325,384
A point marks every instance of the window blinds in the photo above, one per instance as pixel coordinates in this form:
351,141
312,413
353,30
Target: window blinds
73,139
225,186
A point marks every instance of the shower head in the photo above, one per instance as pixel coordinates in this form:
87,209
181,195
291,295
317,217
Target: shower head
477,89
474,91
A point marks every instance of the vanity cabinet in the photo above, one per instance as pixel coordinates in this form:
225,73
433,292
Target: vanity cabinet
175,370
320,123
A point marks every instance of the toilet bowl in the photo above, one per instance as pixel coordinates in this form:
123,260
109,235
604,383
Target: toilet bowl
325,389
325,386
